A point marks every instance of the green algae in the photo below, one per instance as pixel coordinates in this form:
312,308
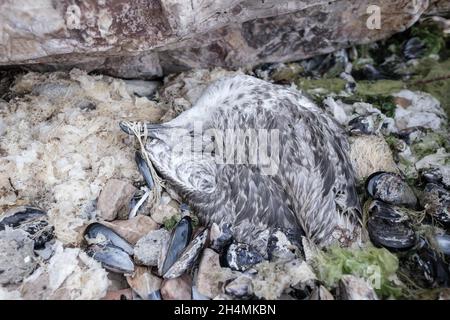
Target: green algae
377,266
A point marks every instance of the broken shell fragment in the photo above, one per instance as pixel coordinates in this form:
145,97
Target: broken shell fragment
96,233
144,169
189,256
389,227
390,188
31,220
242,256
111,258
179,240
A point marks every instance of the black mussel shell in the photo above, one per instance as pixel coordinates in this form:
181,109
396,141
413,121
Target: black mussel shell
389,228
436,201
179,240
31,220
98,233
144,169
112,258
189,256
432,175
390,188
414,48
242,256
222,239
431,264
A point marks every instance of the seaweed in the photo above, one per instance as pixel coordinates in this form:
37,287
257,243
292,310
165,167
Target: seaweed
375,265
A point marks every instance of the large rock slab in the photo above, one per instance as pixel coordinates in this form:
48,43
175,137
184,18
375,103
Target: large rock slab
147,38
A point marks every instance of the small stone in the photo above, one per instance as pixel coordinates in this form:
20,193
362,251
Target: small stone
124,294
178,288
211,276
141,88
354,288
16,256
444,294
241,287
321,293
148,248
133,229
280,248
114,198
166,209
144,282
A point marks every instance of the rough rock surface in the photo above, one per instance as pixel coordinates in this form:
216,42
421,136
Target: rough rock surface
144,282
149,38
16,256
148,248
114,198
133,229
177,288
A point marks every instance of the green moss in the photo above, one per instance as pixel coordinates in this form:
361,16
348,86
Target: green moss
431,35
429,144
377,266
170,223
334,85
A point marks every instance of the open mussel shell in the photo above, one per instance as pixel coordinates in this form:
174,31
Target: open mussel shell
144,169
436,201
111,257
390,188
96,233
389,227
241,256
179,240
31,220
189,256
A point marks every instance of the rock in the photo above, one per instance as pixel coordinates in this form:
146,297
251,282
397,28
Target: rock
142,39
272,279
133,229
166,210
210,276
141,88
354,288
144,282
17,259
177,289
321,293
241,287
124,294
148,248
444,294
370,154
114,198
418,109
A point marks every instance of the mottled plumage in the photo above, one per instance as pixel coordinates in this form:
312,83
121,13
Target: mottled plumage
312,191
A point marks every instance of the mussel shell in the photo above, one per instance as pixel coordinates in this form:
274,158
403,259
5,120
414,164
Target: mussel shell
98,233
189,256
432,175
436,201
31,220
435,269
220,237
242,256
144,169
414,48
362,125
390,188
388,227
112,258
179,240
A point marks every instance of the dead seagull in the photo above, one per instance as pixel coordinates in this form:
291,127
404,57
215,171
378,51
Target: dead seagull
306,187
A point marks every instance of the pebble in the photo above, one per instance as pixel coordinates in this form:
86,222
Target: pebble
354,288
141,88
133,229
166,209
210,276
114,198
321,293
144,282
241,287
148,248
16,256
177,288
